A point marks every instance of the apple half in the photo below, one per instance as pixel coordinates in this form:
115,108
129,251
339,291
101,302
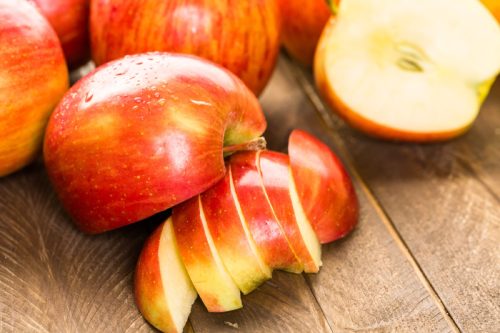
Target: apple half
408,70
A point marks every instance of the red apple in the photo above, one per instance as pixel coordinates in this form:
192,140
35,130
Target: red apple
202,261
323,186
262,222
163,290
69,18
303,22
33,78
144,133
242,36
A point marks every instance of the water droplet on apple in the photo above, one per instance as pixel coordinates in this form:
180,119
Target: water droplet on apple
137,99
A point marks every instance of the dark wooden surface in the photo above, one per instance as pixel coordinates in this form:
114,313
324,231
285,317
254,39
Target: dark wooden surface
424,258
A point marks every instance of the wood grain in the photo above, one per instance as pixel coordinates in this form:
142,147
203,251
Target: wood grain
443,201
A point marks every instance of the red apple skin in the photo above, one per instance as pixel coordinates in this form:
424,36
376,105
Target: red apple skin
494,7
324,187
303,22
266,230
33,78
274,170
144,133
242,36
70,20
354,119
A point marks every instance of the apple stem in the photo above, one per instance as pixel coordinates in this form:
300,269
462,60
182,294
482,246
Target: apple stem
252,145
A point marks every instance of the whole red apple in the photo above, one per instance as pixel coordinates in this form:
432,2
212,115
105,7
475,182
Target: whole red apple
143,133
33,78
242,36
303,22
69,18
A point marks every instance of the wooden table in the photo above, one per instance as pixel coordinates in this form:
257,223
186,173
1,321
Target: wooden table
425,256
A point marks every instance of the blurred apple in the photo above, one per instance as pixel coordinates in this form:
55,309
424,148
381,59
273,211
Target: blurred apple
70,20
242,36
144,133
33,78
420,72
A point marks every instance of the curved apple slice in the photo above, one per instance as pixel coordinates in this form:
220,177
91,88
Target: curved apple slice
232,237
164,293
281,193
418,72
202,261
323,186
263,225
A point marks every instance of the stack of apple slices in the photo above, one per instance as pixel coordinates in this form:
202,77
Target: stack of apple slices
270,211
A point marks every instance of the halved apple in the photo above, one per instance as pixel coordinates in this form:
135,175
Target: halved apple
258,214
323,186
282,195
409,70
202,261
232,237
164,293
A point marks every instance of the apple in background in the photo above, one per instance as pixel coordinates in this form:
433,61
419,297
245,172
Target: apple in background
201,258
420,72
69,18
163,291
144,133
494,7
303,22
33,78
324,188
242,36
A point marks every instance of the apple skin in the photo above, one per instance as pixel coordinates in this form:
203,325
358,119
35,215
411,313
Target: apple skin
242,36
263,224
494,7
357,121
69,18
144,133
33,78
324,187
303,22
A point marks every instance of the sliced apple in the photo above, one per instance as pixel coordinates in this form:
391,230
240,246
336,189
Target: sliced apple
409,70
323,187
281,193
232,238
164,293
202,261
258,214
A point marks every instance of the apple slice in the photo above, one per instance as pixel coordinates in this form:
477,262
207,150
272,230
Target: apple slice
202,261
258,214
409,70
281,194
164,293
232,238
323,186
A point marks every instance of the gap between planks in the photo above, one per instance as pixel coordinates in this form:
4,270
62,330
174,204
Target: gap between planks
328,121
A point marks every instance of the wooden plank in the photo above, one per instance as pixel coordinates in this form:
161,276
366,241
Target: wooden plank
443,201
366,283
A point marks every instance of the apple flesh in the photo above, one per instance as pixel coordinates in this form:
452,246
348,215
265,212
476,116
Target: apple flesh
242,36
391,75
163,291
69,18
144,133
33,78
324,188
202,261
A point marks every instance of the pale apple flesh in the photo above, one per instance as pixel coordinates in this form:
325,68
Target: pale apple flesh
412,73
33,78
324,188
164,293
202,261
143,133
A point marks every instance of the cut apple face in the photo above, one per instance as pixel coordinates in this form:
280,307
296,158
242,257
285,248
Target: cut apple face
403,70
202,261
282,195
163,289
